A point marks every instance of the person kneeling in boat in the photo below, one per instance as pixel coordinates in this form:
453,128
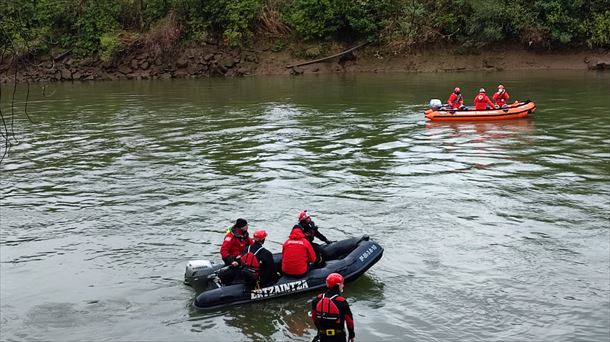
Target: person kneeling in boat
501,96
297,253
482,102
254,267
234,243
456,101
311,231
330,312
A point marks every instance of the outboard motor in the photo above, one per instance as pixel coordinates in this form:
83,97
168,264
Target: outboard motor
435,104
198,272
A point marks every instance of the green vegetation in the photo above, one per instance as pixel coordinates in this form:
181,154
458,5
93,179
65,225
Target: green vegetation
106,27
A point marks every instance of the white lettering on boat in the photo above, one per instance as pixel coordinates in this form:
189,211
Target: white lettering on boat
368,252
278,289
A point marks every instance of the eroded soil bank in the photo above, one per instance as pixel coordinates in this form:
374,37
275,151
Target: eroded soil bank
211,60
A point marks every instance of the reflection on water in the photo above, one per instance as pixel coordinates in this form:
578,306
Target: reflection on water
484,129
492,231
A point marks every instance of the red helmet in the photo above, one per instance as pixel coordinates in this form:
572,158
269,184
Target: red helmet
260,234
456,90
303,215
333,280
500,86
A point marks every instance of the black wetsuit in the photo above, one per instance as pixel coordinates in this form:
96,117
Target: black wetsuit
311,230
267,273
331,320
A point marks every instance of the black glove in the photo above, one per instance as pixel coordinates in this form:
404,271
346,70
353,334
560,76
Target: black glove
228,260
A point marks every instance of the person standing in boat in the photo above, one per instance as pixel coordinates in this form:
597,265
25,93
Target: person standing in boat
311,231
234,243
481,101
456,101
330,312
501,97
297,253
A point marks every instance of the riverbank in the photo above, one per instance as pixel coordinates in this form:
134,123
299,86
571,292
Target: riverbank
212,60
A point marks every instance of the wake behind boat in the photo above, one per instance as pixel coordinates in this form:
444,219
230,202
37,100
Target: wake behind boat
349,257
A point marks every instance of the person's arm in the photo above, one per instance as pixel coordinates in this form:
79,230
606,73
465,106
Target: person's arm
224,250
451,99
268,270
319,235
489,101
506,96
347,315
268,259
314,313
495,96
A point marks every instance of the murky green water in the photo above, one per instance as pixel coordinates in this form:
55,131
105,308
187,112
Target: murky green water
492,231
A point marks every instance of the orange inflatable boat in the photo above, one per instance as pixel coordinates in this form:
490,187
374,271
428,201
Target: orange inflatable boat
519,109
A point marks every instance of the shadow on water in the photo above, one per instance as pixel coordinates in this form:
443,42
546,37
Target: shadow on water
284,318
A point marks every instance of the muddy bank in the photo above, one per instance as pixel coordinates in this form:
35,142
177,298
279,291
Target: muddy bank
216,61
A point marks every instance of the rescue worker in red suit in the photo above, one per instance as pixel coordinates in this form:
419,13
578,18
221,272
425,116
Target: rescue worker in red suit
481,101
297,253
456,101
234,243
311,231
330,312
501,97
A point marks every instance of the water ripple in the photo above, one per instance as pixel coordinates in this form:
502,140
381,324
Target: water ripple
493,231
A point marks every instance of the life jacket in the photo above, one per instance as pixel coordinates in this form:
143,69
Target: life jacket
250,262
327,313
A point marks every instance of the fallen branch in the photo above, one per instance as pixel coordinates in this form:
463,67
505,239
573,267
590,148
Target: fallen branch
327,58
61,55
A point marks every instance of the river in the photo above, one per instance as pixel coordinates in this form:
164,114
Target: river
493,231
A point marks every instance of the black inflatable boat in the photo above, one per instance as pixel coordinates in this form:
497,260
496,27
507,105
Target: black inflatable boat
350,257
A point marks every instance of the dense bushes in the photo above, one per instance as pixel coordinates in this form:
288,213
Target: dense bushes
338,19
100,26
233,19
600,29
